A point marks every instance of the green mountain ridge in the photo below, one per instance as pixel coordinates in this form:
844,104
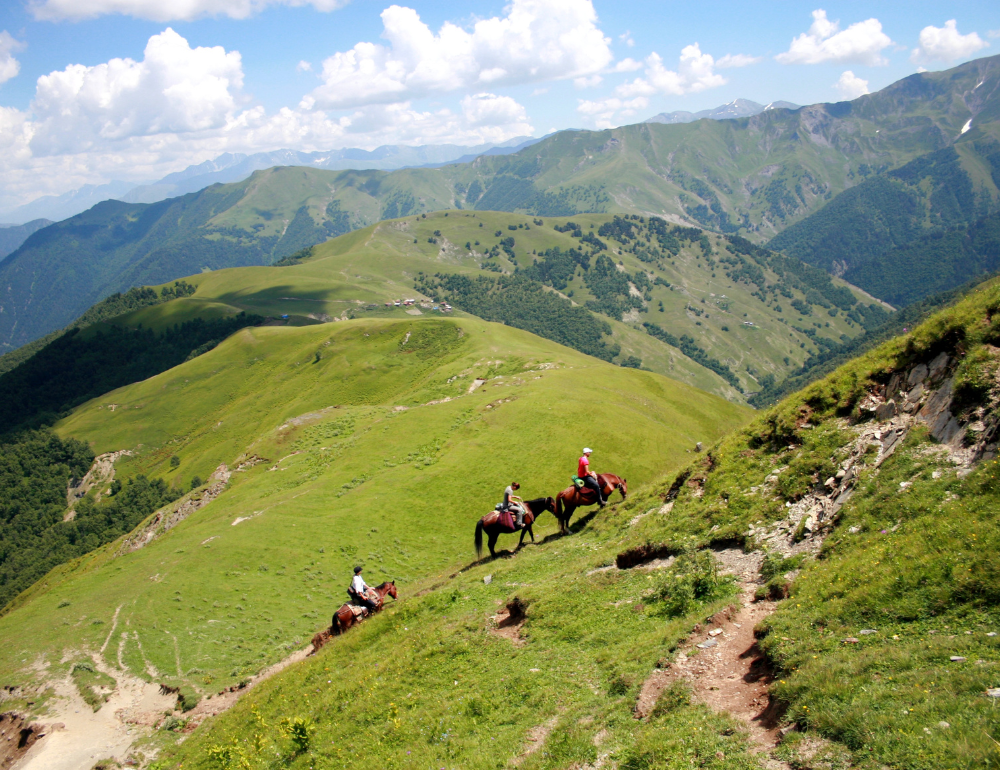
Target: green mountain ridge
756,175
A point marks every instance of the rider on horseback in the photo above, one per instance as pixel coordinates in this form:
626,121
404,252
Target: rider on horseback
359,590
512,503
588,477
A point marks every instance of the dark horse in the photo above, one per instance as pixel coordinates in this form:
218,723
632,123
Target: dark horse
344,618
572,498
490,523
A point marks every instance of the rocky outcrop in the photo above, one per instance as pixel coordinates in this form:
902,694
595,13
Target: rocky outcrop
171,515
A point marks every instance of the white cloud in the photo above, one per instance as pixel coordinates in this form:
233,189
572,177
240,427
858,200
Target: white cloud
945,44
537,40
627,65
860,43
539,91
850,86
737,60
993,33
164,10
588,82
607,113
174,89
9,66
303,66
626,38
694,73
180,105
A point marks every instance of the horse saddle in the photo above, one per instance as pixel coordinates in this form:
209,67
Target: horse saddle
357,610
491,518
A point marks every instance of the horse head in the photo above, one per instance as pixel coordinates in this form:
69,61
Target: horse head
391,589
623,486
550,504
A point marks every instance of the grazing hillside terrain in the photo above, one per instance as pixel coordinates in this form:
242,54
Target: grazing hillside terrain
373,440
753,176
853,527
12,236
816,588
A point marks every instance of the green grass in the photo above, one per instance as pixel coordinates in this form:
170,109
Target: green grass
95,687
919,568
374,473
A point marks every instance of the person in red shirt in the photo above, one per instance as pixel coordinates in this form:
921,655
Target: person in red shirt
589,477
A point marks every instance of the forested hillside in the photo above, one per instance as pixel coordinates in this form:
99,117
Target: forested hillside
753,176
903,234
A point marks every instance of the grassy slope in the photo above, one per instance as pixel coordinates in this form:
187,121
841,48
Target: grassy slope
429,686
378,264
451,693
362,479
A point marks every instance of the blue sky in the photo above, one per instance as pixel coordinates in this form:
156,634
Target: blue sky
94,90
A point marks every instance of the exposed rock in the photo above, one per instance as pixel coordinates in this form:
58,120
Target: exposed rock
885,411
917,375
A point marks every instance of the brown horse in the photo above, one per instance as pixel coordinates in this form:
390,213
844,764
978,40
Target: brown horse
344,618
572,498
532,510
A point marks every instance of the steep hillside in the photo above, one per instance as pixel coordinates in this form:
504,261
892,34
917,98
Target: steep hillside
901,235
827,569
372,439
12,236
852,530
754,175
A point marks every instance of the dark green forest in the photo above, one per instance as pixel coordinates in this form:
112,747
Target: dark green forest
78,366
110,307
35,469
524,304
907,233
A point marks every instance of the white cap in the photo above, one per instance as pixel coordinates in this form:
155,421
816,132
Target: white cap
587,450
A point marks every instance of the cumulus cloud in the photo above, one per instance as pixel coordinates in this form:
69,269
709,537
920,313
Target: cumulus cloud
9,66
174,89
737,60
626,38
181,105
627,65
303,66
588,82
860,43
537,40
606,113
945,44
850,86
695,72
163,10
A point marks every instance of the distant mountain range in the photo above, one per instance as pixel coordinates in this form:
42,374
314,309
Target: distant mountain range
938,133
235,167
738,108
12,236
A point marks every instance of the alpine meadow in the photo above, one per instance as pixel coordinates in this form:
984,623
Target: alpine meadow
736,369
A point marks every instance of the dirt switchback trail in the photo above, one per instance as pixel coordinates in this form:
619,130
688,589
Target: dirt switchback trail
731,674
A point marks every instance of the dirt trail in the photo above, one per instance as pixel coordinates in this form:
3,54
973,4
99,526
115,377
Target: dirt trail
76,736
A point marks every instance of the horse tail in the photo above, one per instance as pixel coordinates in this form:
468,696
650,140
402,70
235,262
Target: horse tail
335,627
479,539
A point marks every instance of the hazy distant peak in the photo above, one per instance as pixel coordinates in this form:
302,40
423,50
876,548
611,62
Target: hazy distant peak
737,108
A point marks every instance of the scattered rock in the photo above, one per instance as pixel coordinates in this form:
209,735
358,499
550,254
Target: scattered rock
957,659
867,631
715,632
851,640
993,692
488,579
707,643
943,725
